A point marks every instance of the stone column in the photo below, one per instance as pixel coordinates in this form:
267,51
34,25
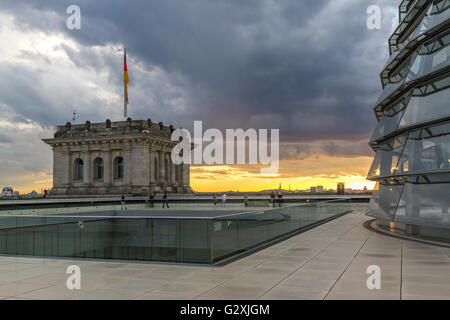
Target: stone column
146,165
152,153
162,175
172,173
167,175
107,174
186,176
86,156
140,165
61,168
127,157
66,177
180,174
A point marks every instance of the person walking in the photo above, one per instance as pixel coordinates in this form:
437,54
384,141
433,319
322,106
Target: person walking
280,198
246,201
272,198
123,205
214,199
165,200
151,200
224,200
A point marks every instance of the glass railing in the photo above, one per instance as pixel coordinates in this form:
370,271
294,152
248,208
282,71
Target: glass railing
237,234
131,235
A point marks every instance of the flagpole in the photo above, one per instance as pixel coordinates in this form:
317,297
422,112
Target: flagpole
125,111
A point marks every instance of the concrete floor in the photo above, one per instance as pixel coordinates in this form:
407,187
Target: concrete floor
327,262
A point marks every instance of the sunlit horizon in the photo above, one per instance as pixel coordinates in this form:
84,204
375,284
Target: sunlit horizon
231,178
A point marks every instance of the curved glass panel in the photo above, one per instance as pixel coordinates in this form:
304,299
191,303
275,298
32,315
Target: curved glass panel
417,67
389,122
432,87
436,14
384,201
374,170
426,153
425,204
388,90
386,157
440,6
422,109
419,109
433,18
402,72
436,45
425,64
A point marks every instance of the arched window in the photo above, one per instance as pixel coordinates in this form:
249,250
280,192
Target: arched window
118,168
155,169
99,169
166,170
78,169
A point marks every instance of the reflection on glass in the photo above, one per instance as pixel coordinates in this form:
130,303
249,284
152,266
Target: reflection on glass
386,157
385,200
426,150
389,121
425,64
422,109
426,204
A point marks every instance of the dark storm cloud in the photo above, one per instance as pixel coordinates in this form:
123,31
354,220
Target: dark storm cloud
294,151
309,68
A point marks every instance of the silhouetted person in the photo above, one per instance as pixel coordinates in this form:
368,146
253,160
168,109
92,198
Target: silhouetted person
214,199
272,198
123,205
165,200
246,201
280,198
224,200
151,200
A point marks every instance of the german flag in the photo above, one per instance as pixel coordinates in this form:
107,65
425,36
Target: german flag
126,79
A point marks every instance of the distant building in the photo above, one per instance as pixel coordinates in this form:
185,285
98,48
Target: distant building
313,190
32,194
340,188
132,156
7,192
320,189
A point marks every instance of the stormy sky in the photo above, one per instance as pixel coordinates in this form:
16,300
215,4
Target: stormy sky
309,68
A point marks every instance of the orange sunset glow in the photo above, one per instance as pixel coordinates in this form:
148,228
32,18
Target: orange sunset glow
299,174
